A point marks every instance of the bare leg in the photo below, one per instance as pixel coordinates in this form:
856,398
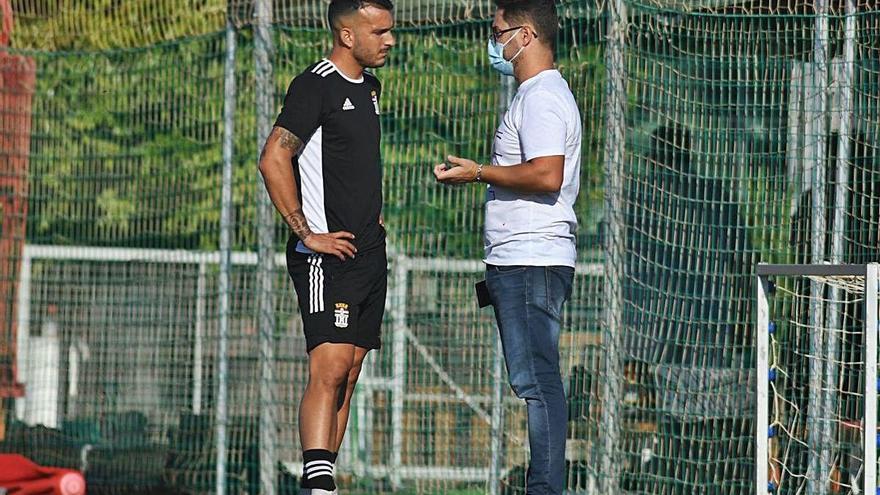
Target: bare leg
345,404
329,368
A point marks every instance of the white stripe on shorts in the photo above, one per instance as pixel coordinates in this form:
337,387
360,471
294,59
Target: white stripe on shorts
316,284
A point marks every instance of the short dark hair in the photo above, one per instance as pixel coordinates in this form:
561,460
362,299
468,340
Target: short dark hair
540,13
340,8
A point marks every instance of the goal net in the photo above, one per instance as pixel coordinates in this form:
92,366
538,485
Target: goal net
817,379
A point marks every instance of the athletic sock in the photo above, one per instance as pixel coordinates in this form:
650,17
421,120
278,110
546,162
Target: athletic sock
318,469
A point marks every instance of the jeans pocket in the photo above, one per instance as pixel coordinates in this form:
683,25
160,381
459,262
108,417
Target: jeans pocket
559,281
562,270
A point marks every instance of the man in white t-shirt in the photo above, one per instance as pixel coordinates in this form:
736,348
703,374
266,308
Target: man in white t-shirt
533,180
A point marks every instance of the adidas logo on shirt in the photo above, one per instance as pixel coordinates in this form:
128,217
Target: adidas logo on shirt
347,105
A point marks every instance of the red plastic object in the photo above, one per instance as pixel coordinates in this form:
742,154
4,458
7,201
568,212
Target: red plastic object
17,79
20,476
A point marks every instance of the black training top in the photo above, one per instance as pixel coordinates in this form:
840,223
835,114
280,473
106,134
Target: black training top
338,172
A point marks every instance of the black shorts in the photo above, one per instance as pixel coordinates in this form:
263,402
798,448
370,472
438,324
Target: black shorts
340,301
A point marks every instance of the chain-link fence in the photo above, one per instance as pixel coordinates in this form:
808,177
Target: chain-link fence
150,335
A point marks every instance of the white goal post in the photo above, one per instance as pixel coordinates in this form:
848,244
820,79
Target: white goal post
816,378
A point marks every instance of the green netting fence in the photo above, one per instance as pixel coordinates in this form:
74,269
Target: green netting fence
149,334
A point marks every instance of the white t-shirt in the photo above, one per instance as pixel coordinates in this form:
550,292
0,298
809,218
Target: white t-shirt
536,229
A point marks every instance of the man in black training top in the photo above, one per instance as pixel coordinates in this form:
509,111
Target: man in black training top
321,167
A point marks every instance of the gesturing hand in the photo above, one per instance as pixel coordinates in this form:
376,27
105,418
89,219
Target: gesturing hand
335,243
462,171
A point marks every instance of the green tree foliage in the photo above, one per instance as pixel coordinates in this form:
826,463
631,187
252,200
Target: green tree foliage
126,144
104,24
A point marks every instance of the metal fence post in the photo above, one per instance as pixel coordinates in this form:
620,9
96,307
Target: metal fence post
24,322
199,339
497,446
508,90
398,365
841,198
817,109
615,122
221,412
265,93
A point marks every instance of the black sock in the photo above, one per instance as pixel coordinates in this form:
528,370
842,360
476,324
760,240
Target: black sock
318,469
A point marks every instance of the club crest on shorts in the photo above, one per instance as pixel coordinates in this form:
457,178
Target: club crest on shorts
341,313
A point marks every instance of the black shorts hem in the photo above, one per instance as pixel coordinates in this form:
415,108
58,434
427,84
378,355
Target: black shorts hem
310,346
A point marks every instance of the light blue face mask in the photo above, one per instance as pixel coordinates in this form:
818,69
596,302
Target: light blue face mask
496,55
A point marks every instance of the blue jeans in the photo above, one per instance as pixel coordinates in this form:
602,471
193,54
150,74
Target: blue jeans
528,303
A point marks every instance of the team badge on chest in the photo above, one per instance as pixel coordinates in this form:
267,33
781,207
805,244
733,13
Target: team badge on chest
341,313
375,101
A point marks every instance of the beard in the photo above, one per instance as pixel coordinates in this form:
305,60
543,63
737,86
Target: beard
369,59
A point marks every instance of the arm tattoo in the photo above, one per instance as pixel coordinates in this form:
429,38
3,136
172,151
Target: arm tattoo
298,224
287,139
